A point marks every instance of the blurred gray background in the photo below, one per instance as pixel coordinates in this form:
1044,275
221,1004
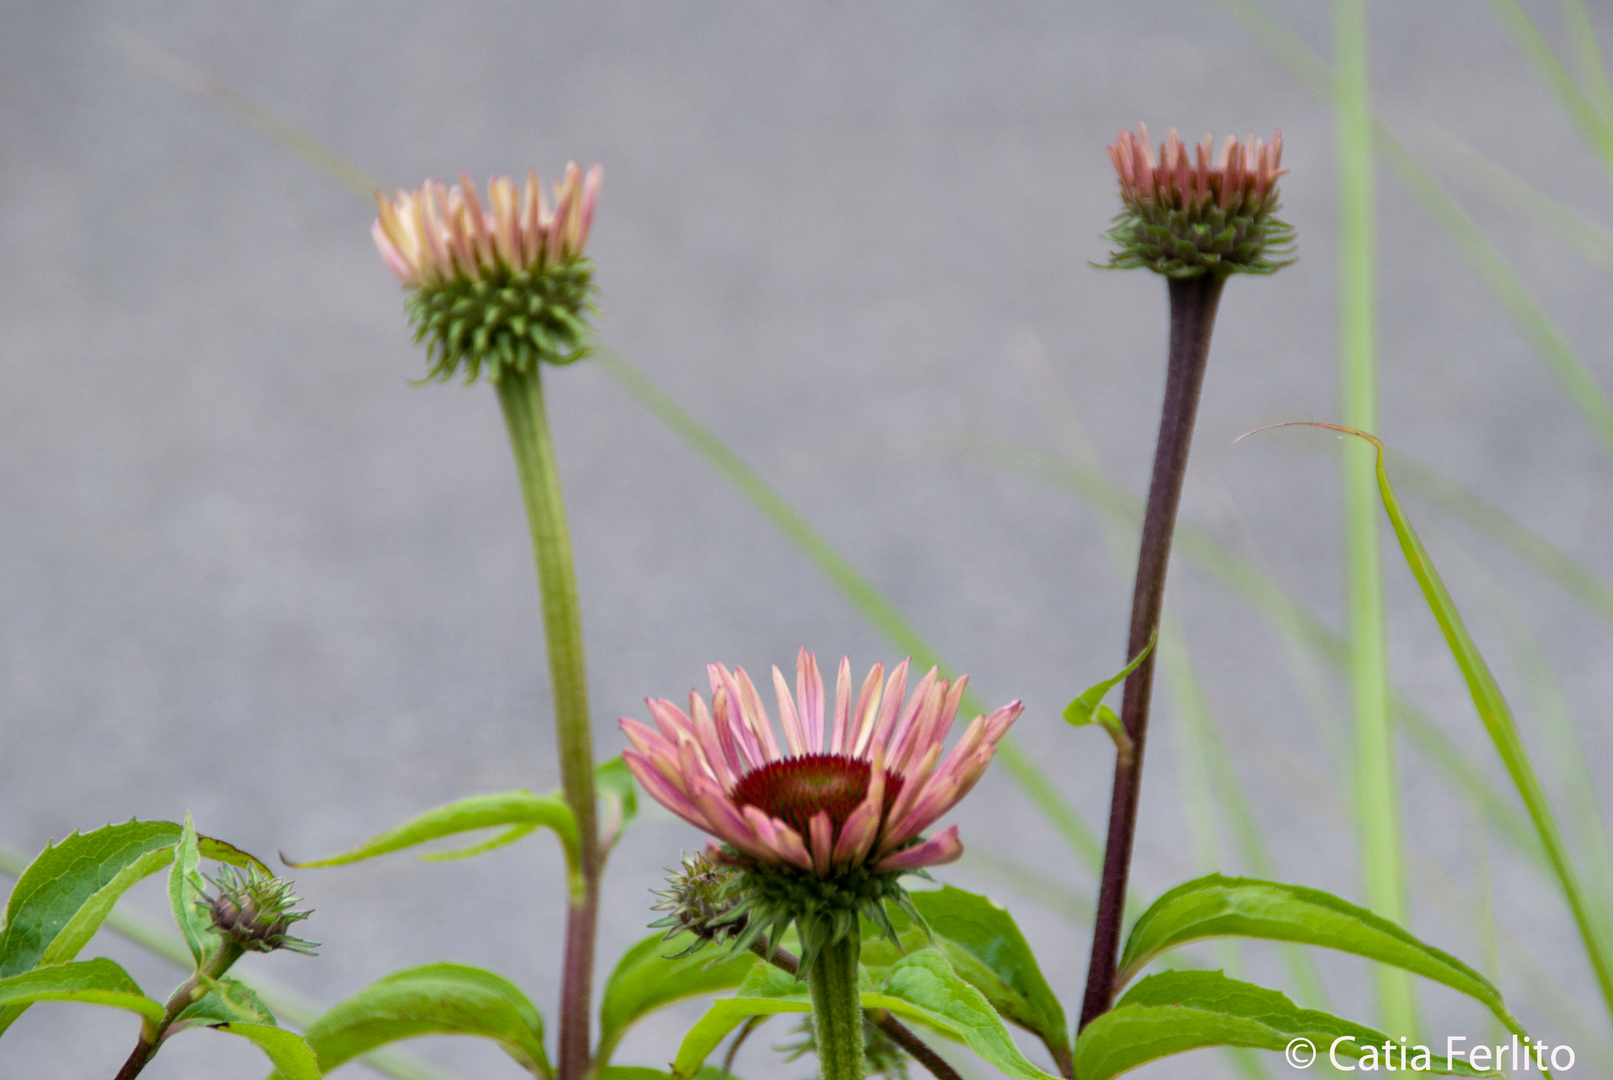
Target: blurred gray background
249,570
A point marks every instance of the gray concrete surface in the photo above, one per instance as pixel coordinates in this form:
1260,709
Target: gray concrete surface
248,569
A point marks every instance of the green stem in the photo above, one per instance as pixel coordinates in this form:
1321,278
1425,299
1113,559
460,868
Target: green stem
837,1015
520,396
190,991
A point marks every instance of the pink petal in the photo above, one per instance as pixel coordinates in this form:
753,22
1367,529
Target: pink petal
664,793
719,749
793,737
842,707
862,720
590,196
783,843
895,689
809,699
936,851
822,830
389,254
921,709
755,714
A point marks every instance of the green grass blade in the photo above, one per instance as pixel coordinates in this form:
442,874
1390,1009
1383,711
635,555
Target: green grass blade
1512,535
1561,360
1038,787
1501,727
1511,191
1588,59
1596,129
1377,804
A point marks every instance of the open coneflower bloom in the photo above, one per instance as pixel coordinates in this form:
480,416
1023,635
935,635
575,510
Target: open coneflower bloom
505,285
854,793
1193,211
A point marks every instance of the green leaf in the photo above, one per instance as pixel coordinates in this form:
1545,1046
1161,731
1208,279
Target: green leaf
228,1001
723,1017
986,949
645,980
184,889
923,986
521,809
437,999
1084,709
1217,906
1177,1011
640,1072
94,982
64,895
292,1058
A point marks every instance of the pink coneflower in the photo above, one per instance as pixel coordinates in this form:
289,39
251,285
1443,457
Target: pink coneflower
1241,175
434,233
1192,213
829,799
504,287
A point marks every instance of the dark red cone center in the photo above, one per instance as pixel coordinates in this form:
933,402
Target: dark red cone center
796,789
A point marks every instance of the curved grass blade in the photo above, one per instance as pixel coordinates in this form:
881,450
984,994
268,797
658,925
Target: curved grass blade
520,810
1588,58
436,999
1177,1011
856,588
1498,723
646,979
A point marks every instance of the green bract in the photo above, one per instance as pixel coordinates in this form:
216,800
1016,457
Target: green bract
1200,240
506,320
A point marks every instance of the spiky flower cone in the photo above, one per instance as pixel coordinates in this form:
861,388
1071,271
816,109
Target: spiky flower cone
1201,218
503,288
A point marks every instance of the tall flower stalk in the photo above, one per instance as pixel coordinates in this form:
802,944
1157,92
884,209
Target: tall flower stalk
502,291
1195,222
820,828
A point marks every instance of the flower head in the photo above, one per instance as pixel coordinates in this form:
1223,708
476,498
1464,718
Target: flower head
821,825
856,794
1212,214
254,910
506,285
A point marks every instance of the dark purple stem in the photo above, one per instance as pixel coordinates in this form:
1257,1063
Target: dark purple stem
1193,302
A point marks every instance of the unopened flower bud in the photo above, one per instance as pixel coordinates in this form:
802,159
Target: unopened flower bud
254,910
698,902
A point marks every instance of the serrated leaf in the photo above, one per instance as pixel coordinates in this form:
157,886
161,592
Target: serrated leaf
64,895
987,950
1217,906
184,888
645,980
289,1053
1176,1011
1084,709
228,1001
506,808
436,999
93,982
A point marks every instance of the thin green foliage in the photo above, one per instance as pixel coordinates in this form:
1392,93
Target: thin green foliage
1499,724
1376,770
1596,127
1561,360
1588,59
